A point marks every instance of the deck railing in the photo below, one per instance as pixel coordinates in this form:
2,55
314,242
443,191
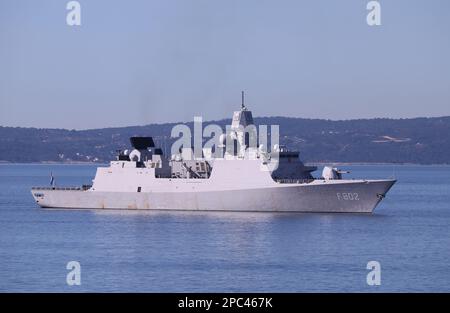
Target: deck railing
293,181
84,187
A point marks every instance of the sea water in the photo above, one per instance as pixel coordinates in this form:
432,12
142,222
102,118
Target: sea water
159,251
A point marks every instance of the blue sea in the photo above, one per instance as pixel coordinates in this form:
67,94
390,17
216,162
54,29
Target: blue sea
408,234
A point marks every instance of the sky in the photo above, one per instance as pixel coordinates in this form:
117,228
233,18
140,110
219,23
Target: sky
140,61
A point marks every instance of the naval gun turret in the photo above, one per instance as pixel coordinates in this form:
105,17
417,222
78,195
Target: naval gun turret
329,173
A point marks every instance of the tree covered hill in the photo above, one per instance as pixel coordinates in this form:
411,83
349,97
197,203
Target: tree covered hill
417,140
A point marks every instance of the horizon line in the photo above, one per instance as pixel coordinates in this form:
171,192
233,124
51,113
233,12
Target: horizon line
224,119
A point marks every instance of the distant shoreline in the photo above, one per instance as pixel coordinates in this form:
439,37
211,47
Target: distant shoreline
306,163
405,141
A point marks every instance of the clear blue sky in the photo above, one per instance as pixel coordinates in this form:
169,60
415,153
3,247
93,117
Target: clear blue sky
138,62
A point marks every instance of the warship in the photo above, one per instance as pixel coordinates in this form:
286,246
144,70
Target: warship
240,179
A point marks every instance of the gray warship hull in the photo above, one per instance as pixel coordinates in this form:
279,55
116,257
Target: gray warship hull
349,196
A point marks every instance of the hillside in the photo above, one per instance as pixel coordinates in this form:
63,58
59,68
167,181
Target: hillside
418,140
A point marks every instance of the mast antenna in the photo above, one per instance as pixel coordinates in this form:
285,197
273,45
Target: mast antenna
242,105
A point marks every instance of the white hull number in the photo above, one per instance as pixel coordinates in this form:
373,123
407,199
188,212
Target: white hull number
347,196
